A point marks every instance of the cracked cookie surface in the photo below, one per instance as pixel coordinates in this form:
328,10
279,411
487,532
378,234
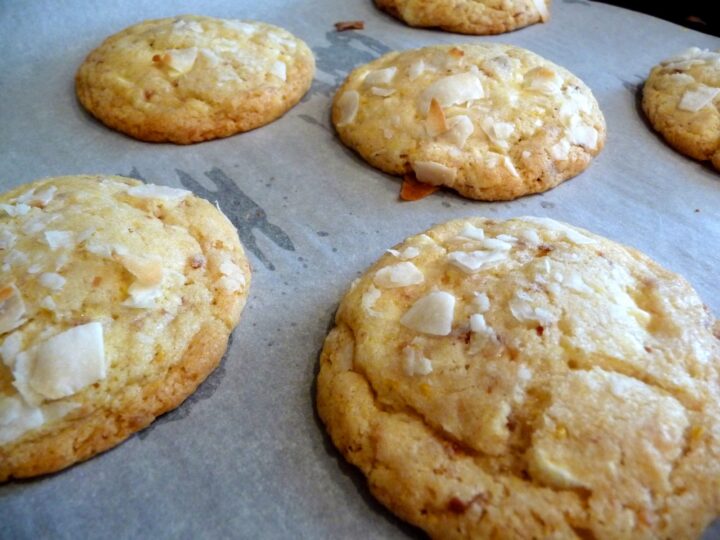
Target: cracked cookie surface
527,379
117,299
681,98
469,16
493,122
189,79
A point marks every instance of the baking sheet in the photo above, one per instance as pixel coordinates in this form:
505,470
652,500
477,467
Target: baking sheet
246,455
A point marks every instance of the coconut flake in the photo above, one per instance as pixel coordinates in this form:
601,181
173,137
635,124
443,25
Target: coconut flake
460,128
401,274
560,150
431,314
481,302
543,79
232,279
241,26
416,69
279,69
380,76
565,231
542,9
181,60
382,92
523,311
147,270
7,238
12,308
475,260
40,198
348,106
452,90
431,172
369,297
52,281
495,244
531,235
698,98
68,362
142,296
415,363
154,191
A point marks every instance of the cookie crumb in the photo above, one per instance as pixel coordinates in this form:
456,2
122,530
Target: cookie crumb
342,26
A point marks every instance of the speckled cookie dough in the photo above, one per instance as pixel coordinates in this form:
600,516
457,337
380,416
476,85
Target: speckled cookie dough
681,97
469,16
189,79
117,299
493,122
527,379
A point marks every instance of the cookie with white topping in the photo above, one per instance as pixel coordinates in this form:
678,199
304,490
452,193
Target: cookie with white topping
189,79
527,379
478,17
117,299
493,122
681,98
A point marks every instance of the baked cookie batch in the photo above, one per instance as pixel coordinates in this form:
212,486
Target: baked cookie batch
492,379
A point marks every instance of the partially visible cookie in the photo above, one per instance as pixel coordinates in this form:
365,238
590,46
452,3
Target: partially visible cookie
117,299
189,79
681,98
469,16
527,379
493,122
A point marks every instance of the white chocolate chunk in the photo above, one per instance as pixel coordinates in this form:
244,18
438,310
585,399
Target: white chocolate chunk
52,281
583,134
232,279
409,252
460,128
478,323
370,296
279,69
523,311
59,239
432,314
510,166
481,302
495,244
154,191
401,274
380,76
18,417
434,173
182,60
14,210
348,105
7,238
414,363
531,236
68,362
143,296
12,308
560,150
472,232
40,199
698,98
452,90
475,260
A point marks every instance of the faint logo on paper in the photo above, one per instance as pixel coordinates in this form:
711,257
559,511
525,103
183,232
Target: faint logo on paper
345,51
245,214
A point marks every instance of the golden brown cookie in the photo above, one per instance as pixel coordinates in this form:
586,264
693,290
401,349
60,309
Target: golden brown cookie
469,16
493,122
189,79
117,299
527,379
681,97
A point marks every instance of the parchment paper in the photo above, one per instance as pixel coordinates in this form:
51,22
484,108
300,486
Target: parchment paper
246,456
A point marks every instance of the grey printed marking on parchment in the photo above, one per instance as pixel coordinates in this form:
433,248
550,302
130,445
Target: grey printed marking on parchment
346,51
244,213
204,391
581,2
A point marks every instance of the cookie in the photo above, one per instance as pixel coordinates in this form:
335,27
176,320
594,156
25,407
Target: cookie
117,299
493,122
189,79
469,16
527,379
681,98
